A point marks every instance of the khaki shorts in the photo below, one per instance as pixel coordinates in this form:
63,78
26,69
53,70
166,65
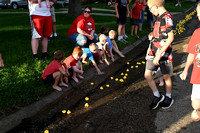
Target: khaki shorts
52,10
195,92
165,67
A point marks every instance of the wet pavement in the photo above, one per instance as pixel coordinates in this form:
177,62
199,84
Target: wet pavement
122,106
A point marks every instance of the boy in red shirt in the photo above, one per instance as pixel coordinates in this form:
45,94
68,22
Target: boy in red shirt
135,16
194,58
54,72
73,64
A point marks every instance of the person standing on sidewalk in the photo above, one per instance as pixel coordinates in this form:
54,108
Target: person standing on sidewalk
160,53
193,50
122,12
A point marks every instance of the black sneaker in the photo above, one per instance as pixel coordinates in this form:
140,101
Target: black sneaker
167,103
156,101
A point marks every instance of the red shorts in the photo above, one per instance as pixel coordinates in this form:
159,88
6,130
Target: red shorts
43,25
96,55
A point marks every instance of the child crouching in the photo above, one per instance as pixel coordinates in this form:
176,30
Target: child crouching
54,72
74,65
91,53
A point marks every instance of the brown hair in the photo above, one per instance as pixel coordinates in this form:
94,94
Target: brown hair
158,3
59,55
77,50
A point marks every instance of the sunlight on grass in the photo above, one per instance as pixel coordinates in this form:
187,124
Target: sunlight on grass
13,28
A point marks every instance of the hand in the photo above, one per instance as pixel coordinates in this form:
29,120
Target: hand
90,37
150,36
117,15
156,60
183,75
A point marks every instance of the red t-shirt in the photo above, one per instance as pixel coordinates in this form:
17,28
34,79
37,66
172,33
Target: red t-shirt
136,10
51,68
86,24
194,48
70,61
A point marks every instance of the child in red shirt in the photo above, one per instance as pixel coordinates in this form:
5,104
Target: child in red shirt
54,72
135,16
194,58
73,64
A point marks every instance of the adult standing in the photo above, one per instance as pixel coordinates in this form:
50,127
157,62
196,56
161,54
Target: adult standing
82,29
41,23
122,12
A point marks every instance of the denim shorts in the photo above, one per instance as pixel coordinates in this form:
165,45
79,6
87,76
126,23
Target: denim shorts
81,40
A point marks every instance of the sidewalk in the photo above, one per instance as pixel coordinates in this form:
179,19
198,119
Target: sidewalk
15,119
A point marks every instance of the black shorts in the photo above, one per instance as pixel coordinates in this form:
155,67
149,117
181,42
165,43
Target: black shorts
70,70
134,21
165,66
49,79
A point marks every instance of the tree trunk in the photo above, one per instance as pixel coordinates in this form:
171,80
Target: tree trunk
75,8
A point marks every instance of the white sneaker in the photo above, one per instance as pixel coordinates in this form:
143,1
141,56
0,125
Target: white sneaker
123,41
125,36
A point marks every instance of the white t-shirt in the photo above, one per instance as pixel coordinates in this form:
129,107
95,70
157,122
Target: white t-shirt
35,10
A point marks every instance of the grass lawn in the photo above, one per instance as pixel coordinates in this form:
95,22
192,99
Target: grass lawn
20,79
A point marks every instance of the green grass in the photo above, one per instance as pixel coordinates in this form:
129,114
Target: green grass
20,79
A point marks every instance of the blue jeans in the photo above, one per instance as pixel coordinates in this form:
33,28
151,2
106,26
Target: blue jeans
81,40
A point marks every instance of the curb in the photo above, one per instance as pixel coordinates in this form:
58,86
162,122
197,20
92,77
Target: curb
15,119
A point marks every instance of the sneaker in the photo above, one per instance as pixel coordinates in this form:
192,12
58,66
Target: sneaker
123,41
125,36
167,103
156,101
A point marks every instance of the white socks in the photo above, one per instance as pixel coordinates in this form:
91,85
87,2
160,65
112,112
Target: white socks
157,94
120,37
169,95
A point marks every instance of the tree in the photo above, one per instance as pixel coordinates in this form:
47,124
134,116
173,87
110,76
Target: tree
75,8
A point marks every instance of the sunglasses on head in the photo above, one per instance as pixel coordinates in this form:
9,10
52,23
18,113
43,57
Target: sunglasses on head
87,11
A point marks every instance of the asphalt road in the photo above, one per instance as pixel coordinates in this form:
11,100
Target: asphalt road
123,106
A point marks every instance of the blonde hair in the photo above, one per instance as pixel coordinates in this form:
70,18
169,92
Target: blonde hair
77,50
59,55
93,45
102,37
112,32
158,3
198,7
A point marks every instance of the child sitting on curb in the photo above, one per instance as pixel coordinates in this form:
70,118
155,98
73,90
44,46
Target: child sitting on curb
112,35
74,65
91,53
54,72
102,46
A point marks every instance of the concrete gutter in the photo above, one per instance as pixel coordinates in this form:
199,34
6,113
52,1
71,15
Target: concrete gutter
13,120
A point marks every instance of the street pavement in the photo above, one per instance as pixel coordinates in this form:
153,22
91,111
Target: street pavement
175,119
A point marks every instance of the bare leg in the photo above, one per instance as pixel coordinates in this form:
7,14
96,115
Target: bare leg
44,43
61,81
168,82
151,82
84,58
161,81
56,76
116,49
119,30
123,30
1,61
132,28
35,45
136,29
196,113
54,27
